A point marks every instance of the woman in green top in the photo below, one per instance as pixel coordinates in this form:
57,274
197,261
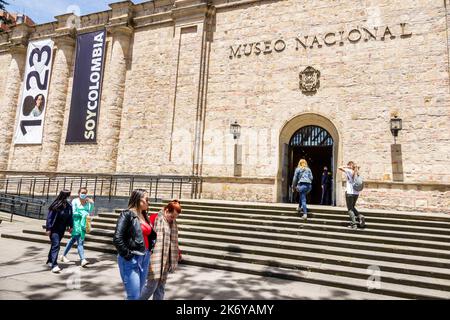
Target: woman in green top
82,208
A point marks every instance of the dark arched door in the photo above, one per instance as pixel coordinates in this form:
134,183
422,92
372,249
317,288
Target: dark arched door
314,144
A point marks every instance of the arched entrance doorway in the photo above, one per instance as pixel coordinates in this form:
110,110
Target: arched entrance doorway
315,144
298,136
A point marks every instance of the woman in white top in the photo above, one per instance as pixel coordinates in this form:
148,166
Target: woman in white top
351,195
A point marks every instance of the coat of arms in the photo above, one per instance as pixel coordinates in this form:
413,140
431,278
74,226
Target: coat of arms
309,80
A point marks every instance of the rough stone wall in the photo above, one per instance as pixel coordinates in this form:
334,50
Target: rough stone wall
5,60
237,191
406,198
361,83
161,92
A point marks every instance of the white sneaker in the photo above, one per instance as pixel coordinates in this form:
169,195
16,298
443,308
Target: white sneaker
84,262
56,269
304,216
49,264
65,259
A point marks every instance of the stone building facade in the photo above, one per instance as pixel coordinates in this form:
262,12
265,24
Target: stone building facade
178,73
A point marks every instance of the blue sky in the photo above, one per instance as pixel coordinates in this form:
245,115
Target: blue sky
42,11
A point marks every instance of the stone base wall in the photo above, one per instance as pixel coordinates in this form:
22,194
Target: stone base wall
406,197
238,191
420,198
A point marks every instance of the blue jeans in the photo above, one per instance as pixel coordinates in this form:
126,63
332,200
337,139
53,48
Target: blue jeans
79,246
55,239
134,274
155,288
303,189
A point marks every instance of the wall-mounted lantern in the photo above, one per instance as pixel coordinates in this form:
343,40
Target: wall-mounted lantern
396,126
235,130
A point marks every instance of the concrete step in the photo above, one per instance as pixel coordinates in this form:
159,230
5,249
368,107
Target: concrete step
94,246
333,219
439,253
389,260
305,243
212,216
392,283
275,272
396,263
375,229
319,222
322,258
316,268
295,229
388,289
357,236
89,239
292,211
293,214
286,208
341,270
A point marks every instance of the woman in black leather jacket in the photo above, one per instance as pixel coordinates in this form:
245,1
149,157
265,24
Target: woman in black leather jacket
131,241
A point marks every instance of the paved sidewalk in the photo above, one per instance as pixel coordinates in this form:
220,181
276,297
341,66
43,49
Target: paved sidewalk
23,275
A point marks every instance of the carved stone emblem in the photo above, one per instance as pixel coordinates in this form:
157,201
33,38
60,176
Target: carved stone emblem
309,80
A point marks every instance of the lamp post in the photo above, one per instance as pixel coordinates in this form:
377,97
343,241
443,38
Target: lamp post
235,130
396,126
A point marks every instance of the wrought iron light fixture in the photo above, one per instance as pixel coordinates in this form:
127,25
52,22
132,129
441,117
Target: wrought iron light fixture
396,126
235,130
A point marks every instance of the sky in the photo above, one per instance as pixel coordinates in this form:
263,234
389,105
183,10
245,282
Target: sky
42,11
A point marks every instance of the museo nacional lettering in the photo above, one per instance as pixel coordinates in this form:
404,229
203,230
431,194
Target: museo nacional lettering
329,39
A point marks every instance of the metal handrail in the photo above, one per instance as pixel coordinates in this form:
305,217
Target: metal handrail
109,185
13,200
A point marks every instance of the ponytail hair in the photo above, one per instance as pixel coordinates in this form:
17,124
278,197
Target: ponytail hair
60,202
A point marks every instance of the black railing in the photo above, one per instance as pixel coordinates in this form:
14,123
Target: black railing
159,187
23,206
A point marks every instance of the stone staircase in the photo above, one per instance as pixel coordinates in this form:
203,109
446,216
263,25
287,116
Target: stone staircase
409,253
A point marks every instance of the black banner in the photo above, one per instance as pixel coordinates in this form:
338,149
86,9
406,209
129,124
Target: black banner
87,88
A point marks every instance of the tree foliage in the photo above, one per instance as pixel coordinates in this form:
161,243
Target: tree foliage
3,4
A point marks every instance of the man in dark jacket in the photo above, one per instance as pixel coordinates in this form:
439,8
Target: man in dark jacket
326,187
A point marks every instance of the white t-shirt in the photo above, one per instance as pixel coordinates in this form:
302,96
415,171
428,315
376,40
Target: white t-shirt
349,187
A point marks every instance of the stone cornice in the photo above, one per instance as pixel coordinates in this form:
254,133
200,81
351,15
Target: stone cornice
189,10
65,33
64,39
16,39
120,29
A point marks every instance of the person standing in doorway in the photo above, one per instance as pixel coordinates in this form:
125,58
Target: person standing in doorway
326,187
302,182
82,208
131,239
166,253
351,195
59,219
